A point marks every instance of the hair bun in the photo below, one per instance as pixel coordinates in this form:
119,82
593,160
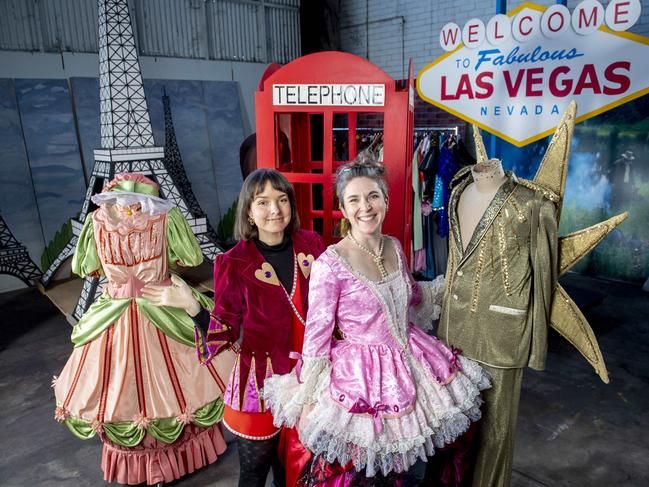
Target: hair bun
367,159
365,165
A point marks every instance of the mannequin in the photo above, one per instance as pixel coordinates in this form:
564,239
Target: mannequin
499,284
133,378
488,177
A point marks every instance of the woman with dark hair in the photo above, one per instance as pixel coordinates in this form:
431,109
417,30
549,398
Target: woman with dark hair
375,392
260,292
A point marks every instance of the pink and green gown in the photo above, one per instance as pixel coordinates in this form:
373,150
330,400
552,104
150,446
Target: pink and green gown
133,377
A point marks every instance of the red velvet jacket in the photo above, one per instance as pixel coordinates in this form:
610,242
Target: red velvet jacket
248,297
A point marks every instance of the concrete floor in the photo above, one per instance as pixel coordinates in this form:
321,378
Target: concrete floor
573,429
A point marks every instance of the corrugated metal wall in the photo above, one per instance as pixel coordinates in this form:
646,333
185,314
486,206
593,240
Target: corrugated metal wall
68,25
241,30
236,30
19,25
172,28
283,33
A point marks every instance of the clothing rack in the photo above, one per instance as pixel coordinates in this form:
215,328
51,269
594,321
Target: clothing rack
363,129
455,129
430,259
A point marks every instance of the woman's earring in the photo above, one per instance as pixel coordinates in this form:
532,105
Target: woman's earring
251,221
344,227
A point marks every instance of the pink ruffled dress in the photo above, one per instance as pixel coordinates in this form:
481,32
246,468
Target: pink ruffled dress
382,393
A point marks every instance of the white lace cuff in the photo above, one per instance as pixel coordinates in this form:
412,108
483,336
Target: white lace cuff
430,307
285,395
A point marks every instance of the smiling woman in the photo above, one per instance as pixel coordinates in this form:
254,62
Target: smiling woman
363,194
266,208
270,210
260,289
375,394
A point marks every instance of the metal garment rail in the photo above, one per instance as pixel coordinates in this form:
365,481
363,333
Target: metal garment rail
455,129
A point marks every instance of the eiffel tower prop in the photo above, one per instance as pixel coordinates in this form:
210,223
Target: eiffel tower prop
127,143
14,258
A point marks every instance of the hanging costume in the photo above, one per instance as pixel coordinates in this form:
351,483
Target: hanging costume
251,299
384,393
501,291
448,168
439,156
133,377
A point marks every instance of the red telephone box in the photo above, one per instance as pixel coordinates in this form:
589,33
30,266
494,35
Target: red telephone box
312,115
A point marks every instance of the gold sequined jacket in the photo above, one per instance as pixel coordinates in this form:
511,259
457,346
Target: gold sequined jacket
498,295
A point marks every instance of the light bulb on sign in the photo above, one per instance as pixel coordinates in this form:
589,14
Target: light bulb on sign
450,36
526,26
622,14
473,34
499,29
555,21
587,17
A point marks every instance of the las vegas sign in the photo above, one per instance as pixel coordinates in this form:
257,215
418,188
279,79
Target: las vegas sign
515,76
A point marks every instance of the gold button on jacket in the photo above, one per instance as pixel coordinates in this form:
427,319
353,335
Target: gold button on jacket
499,291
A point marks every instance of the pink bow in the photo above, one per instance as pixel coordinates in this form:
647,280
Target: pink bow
363,407
298,365
455,363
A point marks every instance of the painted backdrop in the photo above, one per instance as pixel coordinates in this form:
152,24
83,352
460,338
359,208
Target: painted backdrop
608,173
49,129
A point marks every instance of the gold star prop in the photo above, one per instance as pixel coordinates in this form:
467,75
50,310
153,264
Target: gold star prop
550,179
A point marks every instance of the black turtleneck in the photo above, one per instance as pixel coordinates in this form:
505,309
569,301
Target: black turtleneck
280,256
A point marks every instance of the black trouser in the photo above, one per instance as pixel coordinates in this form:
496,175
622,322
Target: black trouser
255,460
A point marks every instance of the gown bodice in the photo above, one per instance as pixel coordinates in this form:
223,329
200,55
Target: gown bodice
132,251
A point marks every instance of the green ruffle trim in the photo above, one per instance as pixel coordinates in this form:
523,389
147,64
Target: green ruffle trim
166,430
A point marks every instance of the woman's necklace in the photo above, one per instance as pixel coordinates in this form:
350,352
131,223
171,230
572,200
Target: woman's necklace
377,257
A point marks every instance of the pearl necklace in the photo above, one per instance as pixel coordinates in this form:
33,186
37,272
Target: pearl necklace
376,257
